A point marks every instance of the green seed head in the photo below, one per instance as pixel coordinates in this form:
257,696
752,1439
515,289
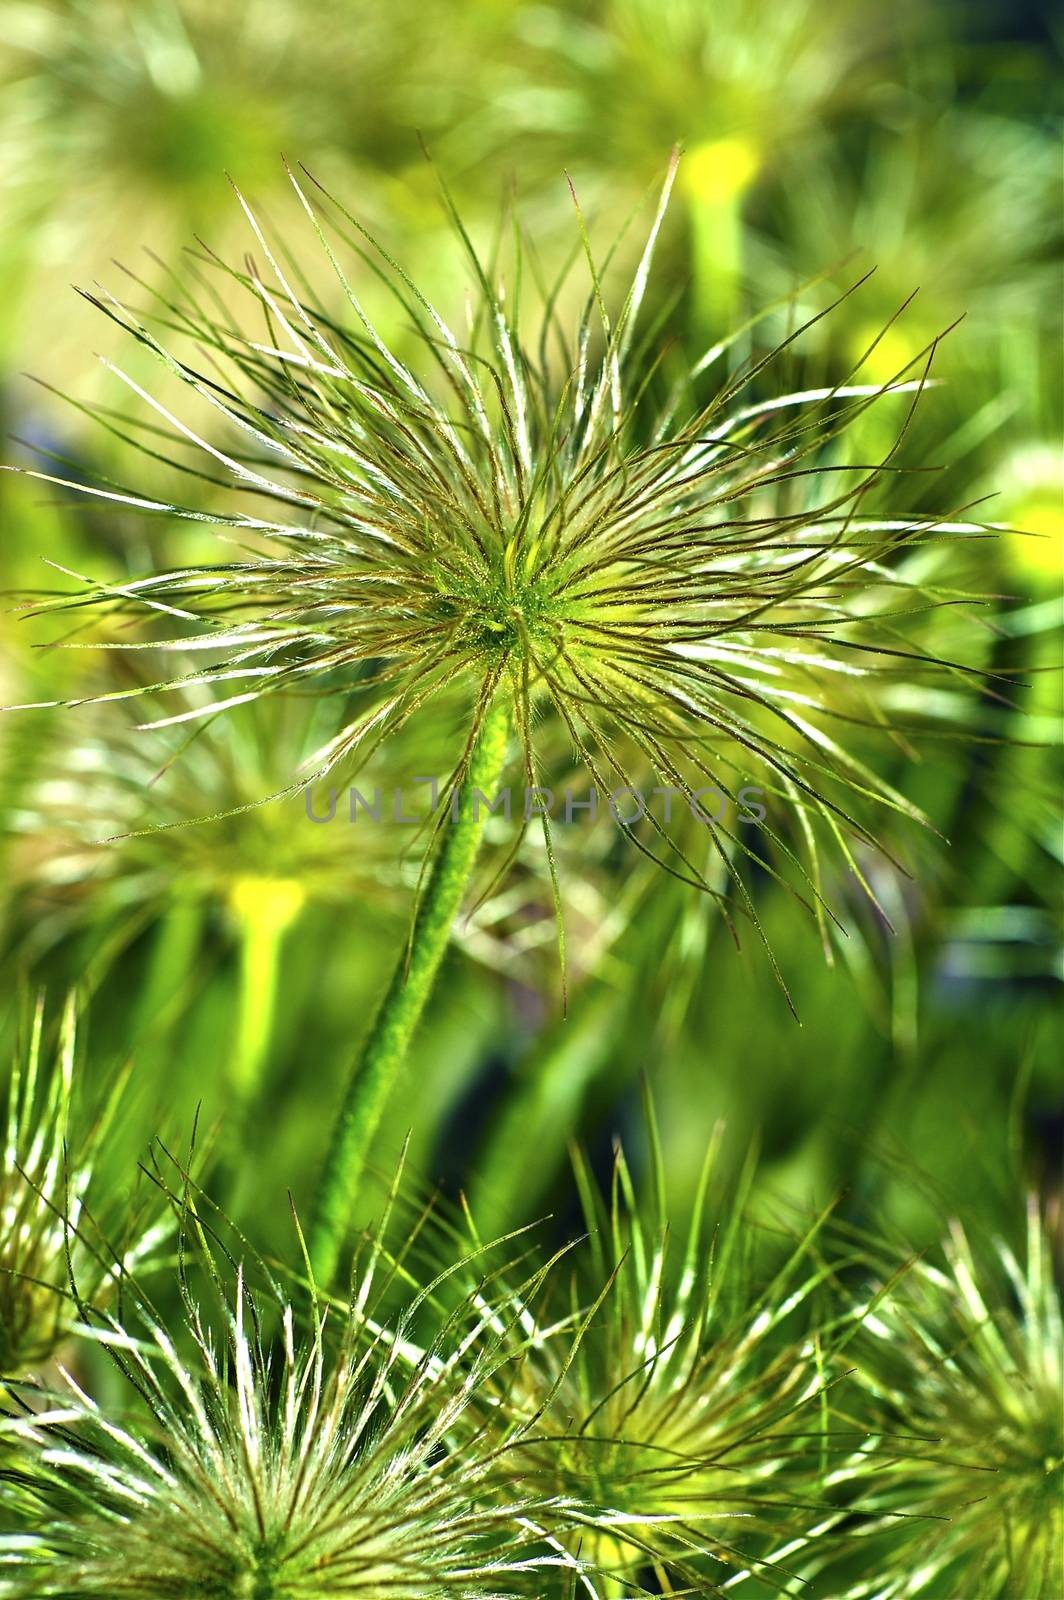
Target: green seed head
671,573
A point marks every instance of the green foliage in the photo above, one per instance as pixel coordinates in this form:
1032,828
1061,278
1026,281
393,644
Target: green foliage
53,1197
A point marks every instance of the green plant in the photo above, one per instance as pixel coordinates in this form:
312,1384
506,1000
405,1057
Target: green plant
438,498
689,587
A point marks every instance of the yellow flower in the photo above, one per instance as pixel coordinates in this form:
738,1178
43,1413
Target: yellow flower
719,170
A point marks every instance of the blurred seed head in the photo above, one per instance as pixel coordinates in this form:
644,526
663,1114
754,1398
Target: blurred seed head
117,825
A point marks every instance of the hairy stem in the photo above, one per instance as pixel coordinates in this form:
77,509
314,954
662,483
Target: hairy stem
385,1049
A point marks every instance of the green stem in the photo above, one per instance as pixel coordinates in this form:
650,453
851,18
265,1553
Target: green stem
385,1049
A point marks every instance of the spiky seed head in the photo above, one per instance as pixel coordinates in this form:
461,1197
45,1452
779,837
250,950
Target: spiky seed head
271,1463
736,92
683,581
113,133
115,829
688,1412
960,1485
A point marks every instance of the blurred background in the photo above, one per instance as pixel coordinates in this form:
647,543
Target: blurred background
923,139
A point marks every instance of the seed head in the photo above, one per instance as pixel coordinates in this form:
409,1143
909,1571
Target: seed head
116,829
268,1465
961,1484
687,1415
679,578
